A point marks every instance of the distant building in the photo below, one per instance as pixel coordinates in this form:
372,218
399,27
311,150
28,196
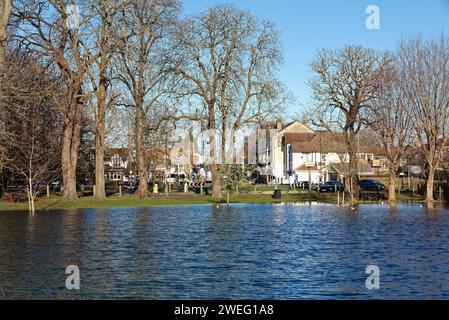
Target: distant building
117,164
295,152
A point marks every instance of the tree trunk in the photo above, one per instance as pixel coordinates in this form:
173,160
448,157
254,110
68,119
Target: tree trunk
353,167
5,11
70,147
224,132
4,16
216,184
216,187
140,153
30,193
100,135
429,186
31,202
216,180
392,187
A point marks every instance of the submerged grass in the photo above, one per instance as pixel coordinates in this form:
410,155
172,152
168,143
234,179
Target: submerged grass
55,202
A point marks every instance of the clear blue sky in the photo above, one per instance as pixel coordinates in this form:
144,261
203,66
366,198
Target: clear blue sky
306,25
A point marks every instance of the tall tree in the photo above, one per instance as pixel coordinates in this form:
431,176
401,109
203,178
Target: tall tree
227,59
143,71
346,82
106,28
424,70
5,12
54,30
391,121
249,88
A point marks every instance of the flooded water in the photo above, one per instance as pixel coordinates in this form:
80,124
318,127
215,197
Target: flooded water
235,252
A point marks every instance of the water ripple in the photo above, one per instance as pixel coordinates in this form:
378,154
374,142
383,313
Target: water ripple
235,252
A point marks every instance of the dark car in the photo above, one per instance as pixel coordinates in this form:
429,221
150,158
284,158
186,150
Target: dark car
330,186
371,185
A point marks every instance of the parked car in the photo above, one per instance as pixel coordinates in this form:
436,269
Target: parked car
129,187
371,185
330,186
315,186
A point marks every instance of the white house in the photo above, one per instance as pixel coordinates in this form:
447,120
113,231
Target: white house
323,156
116,162
297,153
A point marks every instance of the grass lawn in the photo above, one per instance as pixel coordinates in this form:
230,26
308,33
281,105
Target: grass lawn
174,200
160,200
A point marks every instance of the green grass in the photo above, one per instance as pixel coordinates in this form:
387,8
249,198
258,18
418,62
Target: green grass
262,188
409,197
172,200
160,200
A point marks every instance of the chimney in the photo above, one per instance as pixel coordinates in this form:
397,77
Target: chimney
279,124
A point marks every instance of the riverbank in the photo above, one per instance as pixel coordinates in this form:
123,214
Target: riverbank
172,200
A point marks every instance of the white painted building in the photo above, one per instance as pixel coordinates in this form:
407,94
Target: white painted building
117,164
296,153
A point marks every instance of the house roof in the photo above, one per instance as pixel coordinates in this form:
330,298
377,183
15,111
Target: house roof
342,168
378,151
304,168
122,152
296,126
293,137
322,142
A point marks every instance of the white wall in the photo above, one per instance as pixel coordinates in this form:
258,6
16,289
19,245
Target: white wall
277,153
304,176
334,158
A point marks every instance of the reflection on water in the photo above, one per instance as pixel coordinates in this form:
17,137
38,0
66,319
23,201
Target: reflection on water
229,252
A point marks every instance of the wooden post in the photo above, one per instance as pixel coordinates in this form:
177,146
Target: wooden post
186,189
343,198
440,191
48,191
120,190
338,197
201,189
93,190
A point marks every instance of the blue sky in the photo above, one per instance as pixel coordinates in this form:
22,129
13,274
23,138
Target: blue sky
308,25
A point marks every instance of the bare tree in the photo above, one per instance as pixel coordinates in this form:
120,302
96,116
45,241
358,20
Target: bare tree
424,69
5,12
106,28
249,89
32,124
143,71
227,60
347,81
391,121
55,31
